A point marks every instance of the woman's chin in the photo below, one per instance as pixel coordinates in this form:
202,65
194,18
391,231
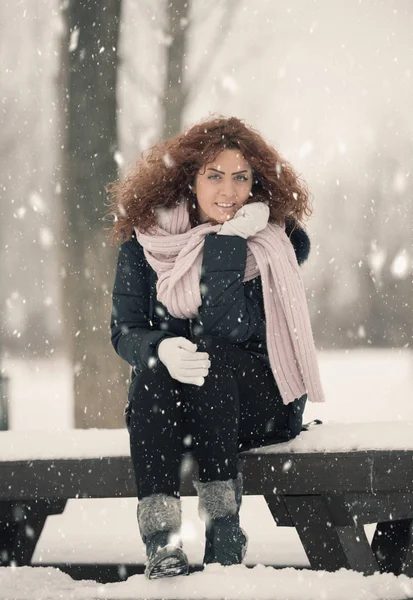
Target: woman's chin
223,218
215,220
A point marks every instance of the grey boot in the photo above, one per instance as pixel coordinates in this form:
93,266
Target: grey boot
219,505
159,519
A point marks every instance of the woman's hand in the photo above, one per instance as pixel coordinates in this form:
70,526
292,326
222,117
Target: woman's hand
247,221
183,362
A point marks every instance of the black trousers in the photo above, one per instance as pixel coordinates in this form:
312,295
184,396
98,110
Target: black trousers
238,407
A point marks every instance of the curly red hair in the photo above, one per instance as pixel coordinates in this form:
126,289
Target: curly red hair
168,172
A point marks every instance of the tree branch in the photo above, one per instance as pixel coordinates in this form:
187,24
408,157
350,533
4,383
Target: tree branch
156,12
143,84
251,53
201,15
218,40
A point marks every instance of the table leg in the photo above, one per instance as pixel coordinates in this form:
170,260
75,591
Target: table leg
21,524
392,545
330,546
279,511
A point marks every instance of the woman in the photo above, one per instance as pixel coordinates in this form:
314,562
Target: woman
209,309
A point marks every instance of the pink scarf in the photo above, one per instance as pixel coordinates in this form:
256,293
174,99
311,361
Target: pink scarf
175,252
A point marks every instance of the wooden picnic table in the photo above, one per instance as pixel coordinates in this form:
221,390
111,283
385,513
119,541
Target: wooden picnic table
327,492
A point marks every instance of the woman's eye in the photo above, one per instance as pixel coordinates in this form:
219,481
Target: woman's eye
238,177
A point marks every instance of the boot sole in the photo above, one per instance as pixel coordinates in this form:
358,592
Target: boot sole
169,561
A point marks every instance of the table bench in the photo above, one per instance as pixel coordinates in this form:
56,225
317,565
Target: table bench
327,483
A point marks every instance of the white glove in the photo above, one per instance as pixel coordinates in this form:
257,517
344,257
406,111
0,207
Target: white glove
183,362
247,221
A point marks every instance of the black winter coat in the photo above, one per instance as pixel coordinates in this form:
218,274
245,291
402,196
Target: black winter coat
230,309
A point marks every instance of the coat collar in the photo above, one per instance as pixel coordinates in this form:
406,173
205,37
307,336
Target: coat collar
300,241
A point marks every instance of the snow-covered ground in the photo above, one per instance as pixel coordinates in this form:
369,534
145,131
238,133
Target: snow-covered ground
360,386
218,583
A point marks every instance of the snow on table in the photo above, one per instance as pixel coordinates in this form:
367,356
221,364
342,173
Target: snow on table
96,443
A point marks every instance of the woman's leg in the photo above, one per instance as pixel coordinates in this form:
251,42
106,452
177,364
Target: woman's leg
212,418
155,429
238,401
211,414
264,418
155,432
238,405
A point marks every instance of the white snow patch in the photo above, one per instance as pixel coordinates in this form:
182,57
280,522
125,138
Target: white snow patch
97,443
216,582
400,266
74,39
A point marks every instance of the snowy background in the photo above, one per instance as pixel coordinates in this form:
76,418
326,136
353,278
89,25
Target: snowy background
330,84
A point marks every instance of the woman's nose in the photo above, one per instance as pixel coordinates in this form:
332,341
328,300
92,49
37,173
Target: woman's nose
228,188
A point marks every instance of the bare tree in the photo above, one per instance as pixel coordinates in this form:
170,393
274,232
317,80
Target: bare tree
178,19
173,99
387,304
363,297
88,78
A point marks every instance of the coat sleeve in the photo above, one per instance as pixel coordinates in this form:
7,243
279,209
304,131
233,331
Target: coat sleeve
131,334
227,311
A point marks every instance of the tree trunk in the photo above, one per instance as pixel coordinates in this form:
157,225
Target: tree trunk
89,75
173,100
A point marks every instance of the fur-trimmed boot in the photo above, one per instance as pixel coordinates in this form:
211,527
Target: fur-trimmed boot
219,505
159,519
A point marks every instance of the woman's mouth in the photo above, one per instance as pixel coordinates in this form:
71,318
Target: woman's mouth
225,207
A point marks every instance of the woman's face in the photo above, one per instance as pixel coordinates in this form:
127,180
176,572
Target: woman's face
226,180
